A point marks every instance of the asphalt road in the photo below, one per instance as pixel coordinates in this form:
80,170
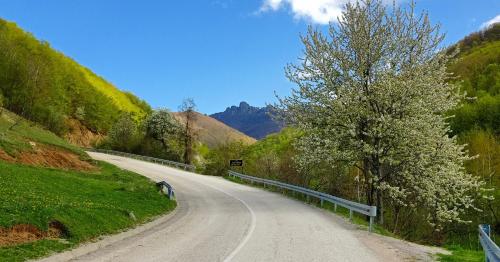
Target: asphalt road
218,220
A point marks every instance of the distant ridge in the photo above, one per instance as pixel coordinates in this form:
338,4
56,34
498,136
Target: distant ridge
252,121
214,133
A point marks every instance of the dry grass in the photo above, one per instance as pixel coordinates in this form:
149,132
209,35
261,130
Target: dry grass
213,133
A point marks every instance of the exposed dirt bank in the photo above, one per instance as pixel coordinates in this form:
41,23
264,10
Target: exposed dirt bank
24,233
45,156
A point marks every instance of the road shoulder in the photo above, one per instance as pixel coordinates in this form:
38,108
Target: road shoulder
108,240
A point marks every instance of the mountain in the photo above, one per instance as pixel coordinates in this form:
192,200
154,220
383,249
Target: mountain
49,88
213,133
253,121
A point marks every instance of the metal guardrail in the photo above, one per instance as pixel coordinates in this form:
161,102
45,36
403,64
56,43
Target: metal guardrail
146,158
167,189
370,211
491,250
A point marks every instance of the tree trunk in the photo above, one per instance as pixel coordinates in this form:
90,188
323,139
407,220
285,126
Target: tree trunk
380,208
397,210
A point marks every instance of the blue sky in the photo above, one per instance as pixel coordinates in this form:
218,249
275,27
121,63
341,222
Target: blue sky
219,52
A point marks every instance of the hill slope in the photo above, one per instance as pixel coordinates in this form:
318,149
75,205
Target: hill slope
252,121
214,133
45,86
478,68
477,121
54,196
25,142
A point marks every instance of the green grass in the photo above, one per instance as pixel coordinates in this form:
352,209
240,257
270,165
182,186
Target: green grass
88,204
17,138
463,255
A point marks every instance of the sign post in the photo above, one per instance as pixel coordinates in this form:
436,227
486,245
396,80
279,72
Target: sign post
236,162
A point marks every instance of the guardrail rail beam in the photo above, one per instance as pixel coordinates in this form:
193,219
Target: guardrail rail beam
370,211
146,158
490,248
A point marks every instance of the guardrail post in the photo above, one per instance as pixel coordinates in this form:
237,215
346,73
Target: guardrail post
350,214
373,214
321,202
335,207
487,230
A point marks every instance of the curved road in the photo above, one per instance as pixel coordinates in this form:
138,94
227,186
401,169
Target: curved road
217,220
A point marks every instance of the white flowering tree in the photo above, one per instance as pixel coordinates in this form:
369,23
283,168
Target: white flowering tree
162,126
124,135
372,93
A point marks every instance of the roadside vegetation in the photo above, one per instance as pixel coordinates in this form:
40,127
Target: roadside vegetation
159,135
47,210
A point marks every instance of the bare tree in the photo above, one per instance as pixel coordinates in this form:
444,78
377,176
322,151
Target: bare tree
188,109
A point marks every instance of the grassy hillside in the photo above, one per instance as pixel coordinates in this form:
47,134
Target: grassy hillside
54,196
45,86
18,136
213,133
55,205
477,68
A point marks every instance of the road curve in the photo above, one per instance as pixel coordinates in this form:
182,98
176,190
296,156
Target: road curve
217,220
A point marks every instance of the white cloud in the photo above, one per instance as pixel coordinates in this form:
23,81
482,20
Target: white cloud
494,20
318,11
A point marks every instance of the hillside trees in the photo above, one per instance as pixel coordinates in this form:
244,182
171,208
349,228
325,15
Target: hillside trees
217,160
372,94
47,87
124,134
157,135
476,121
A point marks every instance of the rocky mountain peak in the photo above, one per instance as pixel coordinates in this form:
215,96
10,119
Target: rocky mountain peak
252,121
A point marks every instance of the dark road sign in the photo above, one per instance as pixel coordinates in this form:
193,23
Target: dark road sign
236,162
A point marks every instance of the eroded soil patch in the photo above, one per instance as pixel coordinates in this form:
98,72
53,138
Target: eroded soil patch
80,135
49,157
24,233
